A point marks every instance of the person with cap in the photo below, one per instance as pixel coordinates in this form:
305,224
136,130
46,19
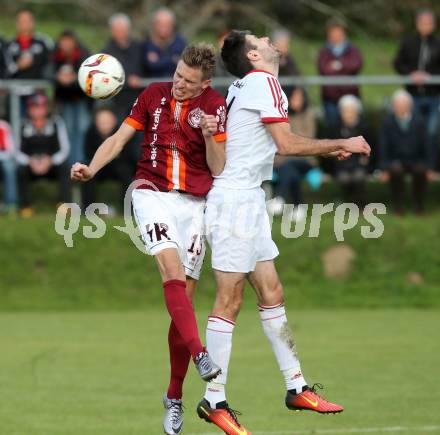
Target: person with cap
338,57
42,152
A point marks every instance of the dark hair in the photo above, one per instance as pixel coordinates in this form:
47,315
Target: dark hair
68,33
24,10
305,104
200,56
234,53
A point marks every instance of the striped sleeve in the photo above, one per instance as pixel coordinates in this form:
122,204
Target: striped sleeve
139,112
133,123
274,105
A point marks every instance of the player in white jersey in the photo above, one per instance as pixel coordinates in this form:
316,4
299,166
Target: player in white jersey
238,226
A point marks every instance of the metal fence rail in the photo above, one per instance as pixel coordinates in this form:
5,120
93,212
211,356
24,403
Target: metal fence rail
19,88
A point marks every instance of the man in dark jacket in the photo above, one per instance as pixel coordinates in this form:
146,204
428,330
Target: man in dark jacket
403,150
351,174
121,169
163,48
419,57
338,58
288,68
3,62
29,51
128,51
4,72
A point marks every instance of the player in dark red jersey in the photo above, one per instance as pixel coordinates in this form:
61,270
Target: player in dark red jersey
184,145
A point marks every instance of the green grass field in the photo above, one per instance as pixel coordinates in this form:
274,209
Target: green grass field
110,274
68,370
105,373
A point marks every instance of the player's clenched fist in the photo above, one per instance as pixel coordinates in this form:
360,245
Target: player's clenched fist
208,124
357,145
80,172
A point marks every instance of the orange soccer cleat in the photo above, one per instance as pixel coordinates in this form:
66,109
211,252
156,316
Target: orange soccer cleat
224,417
308,399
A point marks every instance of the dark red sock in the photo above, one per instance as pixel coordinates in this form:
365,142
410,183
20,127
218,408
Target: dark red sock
182,314
179,361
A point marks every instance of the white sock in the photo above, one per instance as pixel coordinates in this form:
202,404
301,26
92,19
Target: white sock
277,330
219,346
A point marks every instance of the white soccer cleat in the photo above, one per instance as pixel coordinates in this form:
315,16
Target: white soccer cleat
206,367
173,420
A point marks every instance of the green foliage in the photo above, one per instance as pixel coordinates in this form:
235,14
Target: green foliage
93,36
110,273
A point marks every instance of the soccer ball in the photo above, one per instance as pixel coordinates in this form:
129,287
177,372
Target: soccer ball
101,76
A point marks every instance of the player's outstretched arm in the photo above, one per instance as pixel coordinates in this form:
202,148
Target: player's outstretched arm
291,144
215,151
106,152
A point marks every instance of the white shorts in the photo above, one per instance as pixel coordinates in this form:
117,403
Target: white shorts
172,220
238,229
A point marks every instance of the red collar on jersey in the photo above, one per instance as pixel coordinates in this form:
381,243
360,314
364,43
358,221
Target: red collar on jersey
259,70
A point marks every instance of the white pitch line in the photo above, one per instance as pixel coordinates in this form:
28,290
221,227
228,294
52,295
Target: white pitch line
390,429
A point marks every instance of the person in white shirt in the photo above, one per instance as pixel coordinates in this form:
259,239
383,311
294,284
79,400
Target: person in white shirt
238,226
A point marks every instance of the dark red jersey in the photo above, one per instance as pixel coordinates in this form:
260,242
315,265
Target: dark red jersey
174,150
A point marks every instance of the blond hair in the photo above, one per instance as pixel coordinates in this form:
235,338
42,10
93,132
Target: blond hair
200,56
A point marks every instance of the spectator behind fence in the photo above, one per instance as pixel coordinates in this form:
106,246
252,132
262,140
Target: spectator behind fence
220,69
4,64
351,174
419,57
7,166
29,51
163,48
288,68
43,152
121,169
404,150
289,172
128,51
338,58
71,101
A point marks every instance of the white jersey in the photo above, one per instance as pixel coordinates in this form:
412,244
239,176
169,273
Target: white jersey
252,101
